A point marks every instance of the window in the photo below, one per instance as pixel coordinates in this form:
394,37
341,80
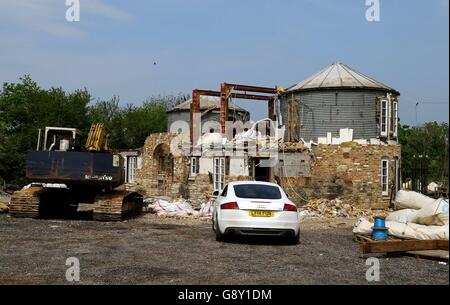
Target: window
395,118
194,168
131,166
384,118
257,191
385,177
219,173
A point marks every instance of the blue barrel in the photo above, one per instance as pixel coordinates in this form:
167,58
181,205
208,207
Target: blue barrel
380,222
379,230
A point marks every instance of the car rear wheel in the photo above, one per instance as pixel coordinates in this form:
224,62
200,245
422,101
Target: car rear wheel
219,235
294,239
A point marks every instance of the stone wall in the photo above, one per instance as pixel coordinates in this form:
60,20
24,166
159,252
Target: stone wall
349,170
161,177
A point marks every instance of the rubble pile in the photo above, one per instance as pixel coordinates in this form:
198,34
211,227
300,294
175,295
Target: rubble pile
336,208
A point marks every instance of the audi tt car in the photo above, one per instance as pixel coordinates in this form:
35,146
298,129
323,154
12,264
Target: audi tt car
255,208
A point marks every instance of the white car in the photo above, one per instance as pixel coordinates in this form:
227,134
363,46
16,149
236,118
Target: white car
255,208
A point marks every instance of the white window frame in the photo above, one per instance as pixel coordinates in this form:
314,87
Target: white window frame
219,173
131,168
194,166
384,177
384,118
395,114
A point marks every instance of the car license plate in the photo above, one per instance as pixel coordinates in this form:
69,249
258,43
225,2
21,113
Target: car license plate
260,213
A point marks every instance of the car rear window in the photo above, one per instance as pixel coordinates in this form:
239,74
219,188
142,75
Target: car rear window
257,191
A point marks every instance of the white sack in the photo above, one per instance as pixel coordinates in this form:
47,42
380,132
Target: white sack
206,209
416,231
363,227
403,216
433,214
411,200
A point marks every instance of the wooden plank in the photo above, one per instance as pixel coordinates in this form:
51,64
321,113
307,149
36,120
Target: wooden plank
440,255
402,246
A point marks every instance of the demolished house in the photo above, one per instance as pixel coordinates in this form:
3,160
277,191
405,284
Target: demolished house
331,135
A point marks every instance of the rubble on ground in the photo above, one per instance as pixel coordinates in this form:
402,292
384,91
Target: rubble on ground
335,208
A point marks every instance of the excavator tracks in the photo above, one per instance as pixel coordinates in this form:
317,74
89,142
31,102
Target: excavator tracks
112,206
117,205
25,203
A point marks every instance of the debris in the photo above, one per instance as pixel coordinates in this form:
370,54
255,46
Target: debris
336,208
3,208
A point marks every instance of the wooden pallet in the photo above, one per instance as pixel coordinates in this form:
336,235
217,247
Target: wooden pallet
437,255
397,245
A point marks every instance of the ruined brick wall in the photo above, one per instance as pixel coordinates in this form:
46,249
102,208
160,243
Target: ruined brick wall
349,170
150,179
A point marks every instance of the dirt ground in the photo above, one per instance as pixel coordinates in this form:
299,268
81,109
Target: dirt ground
150,250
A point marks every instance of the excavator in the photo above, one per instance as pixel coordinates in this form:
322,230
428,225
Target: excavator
65,174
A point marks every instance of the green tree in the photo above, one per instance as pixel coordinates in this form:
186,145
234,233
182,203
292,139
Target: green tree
128,126
24,108
430,141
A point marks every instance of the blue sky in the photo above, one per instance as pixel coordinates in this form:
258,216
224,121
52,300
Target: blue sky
201,43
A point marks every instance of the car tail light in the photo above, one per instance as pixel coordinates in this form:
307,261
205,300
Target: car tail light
230,206
289,207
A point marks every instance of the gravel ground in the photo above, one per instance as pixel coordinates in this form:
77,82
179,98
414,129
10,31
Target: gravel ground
150,250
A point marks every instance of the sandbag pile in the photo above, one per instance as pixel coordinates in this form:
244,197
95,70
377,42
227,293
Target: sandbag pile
335,208
418,217
179,208
206,209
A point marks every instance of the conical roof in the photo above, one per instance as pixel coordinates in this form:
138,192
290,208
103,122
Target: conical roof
339,75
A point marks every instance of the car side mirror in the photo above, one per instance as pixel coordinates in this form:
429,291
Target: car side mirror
288,196
216,193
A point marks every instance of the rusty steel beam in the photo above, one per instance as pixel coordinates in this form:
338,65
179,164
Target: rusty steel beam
195,108
225,92
252,88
